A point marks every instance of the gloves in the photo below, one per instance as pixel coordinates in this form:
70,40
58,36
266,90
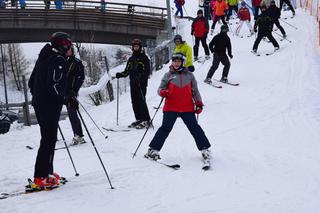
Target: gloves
255,30
191,68
192,33
119,75
231,56
199,107
72,102
163,93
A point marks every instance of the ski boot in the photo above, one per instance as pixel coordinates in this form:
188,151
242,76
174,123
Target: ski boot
152,154
144,124
224,79
134,124
77,140
208,80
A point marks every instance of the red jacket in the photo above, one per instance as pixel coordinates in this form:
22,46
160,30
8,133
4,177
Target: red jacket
256,3
182,91
244,14
200,27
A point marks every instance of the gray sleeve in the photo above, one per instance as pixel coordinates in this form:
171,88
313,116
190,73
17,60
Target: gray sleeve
195,90
164,82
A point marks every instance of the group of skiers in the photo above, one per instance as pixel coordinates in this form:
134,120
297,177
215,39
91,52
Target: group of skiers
58,76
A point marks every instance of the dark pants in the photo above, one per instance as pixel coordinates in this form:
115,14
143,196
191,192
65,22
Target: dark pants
189,119
264,34
235,8
179,10
207,12
256,12
75,121
277,23
217,58
138,99
48,118
204,45
288,3
216,19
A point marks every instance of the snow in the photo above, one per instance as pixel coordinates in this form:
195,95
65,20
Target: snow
264,135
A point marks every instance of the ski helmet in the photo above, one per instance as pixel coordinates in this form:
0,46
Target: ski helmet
272,2
199,12
243,3
138,42
177,37
178,55
61,41
224,28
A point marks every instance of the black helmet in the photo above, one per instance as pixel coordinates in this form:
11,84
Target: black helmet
61,41
272,2
178,55
243,3
199,12
177,37
224,28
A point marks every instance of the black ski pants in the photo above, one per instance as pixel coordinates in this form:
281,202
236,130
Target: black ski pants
204,45
264,34
48,119
75,121
217,58
138,99
277,23
189,119
216,19
288,3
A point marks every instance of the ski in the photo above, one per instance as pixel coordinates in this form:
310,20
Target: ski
116,130
229,83
213,85
29,190
172,166
255,53
270,53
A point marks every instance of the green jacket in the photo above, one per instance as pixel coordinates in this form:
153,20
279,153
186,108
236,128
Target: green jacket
187,51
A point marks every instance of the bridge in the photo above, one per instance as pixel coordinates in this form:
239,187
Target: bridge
85,21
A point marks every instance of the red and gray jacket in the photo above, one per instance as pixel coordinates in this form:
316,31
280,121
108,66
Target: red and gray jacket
182,89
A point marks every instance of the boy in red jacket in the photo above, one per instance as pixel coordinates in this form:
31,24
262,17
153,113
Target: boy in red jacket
244,16
182,99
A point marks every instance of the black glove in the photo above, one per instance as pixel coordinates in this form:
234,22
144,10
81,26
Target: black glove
119,75
72,102
231,56
191,68
192,33
255,30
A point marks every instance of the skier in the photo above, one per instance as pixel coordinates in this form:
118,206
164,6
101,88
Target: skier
182,99
179,4
200,29
206,9
289,5
244,16
47,85
185,49
233,5
138,69
275,13
264,23
218,46
75,79
219,9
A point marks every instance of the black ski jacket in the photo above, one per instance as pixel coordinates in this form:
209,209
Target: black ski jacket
264,23
75,75
138,68
274,12
47,82
220,43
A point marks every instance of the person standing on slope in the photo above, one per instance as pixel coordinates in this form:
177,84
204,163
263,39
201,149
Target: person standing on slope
218,46
244,16
138,69
264,23
182,99
185,49
179,4
47,85
200,29
219,9
275,14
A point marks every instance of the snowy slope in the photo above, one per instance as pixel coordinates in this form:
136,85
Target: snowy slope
265,137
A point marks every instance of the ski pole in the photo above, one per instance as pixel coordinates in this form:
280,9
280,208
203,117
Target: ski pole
134,154
105,136
94,146
65,143
281,36
118,101
288,24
